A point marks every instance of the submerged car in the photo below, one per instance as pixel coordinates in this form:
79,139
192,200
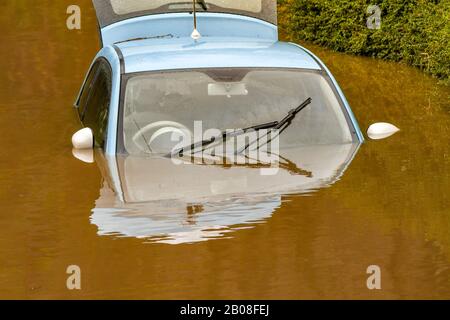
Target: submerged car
171,68
154,76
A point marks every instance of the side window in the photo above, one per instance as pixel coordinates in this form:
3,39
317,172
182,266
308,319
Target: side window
81,103
97,107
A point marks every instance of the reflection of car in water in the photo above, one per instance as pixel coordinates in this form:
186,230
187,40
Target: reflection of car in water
154,78
155,199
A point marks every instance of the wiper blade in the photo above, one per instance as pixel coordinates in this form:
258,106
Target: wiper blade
224,135
278,125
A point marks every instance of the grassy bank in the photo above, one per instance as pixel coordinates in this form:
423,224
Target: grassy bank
416,32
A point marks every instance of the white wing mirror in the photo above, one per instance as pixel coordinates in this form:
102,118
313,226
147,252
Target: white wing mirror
381,130
83,139
83,145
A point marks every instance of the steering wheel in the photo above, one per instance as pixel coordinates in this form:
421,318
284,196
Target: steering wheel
161,139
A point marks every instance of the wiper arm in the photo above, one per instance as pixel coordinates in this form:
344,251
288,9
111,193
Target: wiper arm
224,135
283,124
279,125
286,122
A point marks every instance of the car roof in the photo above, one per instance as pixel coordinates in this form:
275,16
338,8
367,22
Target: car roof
168,53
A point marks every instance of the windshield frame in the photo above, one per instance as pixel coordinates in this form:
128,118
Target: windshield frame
120,142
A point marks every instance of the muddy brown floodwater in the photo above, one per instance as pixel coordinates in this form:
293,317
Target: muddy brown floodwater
390,208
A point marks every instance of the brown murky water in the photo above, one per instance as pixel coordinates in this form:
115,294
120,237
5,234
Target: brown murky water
390,208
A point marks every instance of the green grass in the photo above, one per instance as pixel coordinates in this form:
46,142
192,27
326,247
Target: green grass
416,32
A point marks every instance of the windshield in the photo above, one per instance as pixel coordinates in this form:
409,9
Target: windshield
111,11
226,99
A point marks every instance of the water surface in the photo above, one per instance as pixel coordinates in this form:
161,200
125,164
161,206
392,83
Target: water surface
390,207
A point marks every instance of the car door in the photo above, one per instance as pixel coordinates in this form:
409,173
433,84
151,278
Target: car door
94,102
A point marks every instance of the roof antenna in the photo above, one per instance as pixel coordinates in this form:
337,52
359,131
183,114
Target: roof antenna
195,34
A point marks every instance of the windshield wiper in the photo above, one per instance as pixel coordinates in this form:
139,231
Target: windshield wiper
286,122
277,125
